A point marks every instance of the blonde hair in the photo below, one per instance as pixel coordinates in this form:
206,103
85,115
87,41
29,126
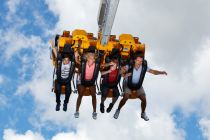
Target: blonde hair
88,55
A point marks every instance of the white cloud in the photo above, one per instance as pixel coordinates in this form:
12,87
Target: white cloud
13,41
205,127
75,14
12,7
10,134
71,136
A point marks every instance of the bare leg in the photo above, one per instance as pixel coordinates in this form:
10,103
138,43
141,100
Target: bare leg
143,102
123,101
79,98
94,102
93,94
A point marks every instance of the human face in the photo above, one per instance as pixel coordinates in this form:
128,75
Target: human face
66,60
138,61
91,60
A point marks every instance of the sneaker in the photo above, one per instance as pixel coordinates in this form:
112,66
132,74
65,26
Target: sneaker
64,107
57,108
109,108
94,115
76,114
144,116
102,108
116,114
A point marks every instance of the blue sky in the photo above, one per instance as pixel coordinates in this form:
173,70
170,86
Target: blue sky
177,104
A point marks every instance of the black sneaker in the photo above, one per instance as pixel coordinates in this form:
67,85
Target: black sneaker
57,108
102,108
110,107
64,107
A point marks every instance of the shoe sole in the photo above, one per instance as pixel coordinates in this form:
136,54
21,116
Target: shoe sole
144,119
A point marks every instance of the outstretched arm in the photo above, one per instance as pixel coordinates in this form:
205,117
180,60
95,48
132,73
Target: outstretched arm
157,72
77,57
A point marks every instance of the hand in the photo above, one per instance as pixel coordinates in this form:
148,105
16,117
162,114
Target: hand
113,67
111,63
163,72
51,43
123,69
127,74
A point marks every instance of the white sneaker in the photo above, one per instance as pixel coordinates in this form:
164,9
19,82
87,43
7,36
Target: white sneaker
76,114
116,114
144,116
94,115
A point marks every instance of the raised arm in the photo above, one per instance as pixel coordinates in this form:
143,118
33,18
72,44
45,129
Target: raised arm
53,47
157,72
77,57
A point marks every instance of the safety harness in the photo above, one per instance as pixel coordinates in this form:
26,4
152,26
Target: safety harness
137,86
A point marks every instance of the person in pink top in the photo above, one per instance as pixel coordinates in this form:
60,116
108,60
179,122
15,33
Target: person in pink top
90,66
87,79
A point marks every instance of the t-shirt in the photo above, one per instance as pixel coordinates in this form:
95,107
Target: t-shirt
65,68
136,74
113,76
89,71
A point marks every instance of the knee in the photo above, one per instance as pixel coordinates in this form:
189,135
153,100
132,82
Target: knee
143,99
93,96
126,96
80,96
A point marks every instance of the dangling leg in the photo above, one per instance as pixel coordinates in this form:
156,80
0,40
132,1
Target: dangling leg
115,94
142,97
58,94
121,104
143,103
67,96
79,99
123,101
93,94
104,92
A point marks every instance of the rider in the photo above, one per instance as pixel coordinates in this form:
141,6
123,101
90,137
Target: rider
88,73
134,78
111,75
64,70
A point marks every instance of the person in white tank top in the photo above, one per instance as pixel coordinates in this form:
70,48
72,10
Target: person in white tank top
65,69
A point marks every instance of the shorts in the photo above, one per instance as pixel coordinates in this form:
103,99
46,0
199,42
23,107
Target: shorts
105,90
82,89
139,91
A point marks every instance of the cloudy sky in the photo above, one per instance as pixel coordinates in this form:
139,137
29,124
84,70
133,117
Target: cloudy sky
177,38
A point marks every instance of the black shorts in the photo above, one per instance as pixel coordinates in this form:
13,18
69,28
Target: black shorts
105,90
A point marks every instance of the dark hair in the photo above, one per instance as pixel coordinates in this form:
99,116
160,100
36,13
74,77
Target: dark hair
65,55
91,49
67,51
138,54
115,54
